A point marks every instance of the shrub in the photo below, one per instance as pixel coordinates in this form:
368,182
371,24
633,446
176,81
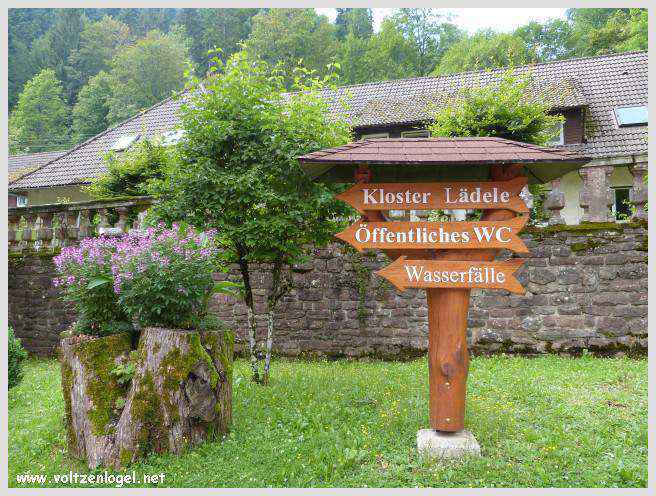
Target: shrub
163,277
86,279
16,354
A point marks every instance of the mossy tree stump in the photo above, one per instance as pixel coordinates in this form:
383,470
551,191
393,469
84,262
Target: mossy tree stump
91,393
180,395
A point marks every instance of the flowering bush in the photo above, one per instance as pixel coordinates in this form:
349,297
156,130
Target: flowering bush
85,277
164,276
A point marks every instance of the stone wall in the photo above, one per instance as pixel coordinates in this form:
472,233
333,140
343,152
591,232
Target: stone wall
586,288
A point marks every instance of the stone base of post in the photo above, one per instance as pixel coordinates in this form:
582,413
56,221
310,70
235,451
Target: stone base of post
439,444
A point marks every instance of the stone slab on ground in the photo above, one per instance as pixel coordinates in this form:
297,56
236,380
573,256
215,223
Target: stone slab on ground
438,444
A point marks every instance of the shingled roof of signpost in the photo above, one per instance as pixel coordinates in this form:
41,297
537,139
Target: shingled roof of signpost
598,84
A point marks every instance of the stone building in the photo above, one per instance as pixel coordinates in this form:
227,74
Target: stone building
603,100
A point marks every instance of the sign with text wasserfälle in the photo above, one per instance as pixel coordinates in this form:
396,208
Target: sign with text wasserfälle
436,235
437,196
404,273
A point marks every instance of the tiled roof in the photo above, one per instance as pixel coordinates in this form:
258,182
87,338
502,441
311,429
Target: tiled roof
599,83
436,151
414,158
18,165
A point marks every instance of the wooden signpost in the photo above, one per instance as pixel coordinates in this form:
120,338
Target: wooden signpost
447,259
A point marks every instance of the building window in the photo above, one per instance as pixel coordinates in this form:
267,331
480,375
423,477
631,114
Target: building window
631,116
418,133
621,205
124,142
374,135
21,201
559,135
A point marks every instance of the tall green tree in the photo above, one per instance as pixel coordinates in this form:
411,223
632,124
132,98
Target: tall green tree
293,36
92,108
225,29
430,34
63,39
602,31
238,173
485,50
39,122
146,73
356,22
549,41
99,42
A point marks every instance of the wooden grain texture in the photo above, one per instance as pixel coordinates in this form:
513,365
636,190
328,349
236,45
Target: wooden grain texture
404,273
448,357
436,196
404,235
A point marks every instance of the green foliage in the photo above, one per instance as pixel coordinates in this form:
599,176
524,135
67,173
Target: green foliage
355,22
146,73
99,43
600,31
92,107
339,423
289,36
237,169
40,120
164,276
485,50
507,108
16,355
124,372
130,173
428,33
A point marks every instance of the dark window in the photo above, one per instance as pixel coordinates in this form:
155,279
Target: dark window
631,116
622,207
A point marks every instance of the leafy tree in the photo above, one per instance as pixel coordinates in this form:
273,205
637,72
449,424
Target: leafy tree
548,41
40,119
92,108
99,43
383,56
142,21
290,36
24,26
508,108
131,172
224,29
429,33
146,73
63,39
238,173
356,22
601,31
485,50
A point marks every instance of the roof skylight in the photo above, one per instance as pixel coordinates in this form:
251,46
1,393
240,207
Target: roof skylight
631,116
124,142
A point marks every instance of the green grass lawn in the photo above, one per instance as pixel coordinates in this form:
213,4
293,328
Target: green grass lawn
544,422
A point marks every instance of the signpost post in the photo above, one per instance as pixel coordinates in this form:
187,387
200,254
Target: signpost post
447,259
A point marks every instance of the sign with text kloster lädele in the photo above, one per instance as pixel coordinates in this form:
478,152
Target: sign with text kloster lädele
436,235
404,273
437,196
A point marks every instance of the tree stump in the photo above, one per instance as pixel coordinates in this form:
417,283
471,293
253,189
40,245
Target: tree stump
180,395
91,393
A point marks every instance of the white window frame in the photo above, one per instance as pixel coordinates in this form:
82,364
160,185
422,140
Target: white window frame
560,138
416,133
21,201
374,136
632,124
124,142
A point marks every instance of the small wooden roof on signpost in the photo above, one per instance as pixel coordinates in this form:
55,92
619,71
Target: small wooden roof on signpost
438,159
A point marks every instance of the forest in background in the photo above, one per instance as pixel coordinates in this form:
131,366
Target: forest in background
75,72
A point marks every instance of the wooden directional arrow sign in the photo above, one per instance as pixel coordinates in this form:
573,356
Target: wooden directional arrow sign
436,196
436,235
404,273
